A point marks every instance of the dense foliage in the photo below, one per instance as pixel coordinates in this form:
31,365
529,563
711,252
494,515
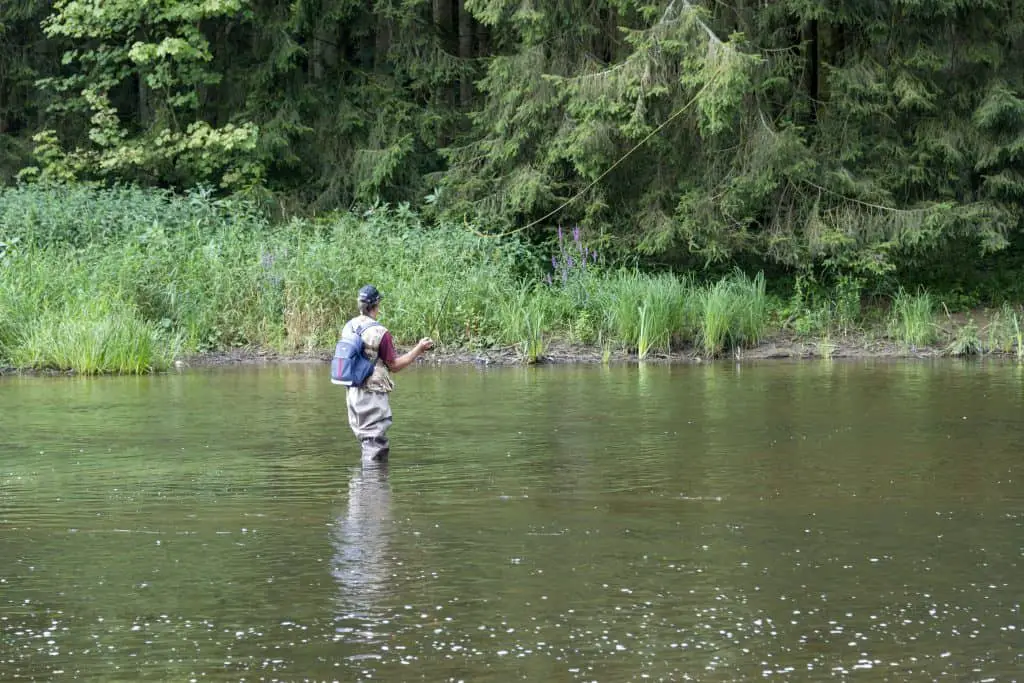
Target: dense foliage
127,280
871,139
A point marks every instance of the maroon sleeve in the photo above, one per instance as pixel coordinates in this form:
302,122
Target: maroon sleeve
386,350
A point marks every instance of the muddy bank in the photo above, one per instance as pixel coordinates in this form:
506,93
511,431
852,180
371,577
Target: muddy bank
779,347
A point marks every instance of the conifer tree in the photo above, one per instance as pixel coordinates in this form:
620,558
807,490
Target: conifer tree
856,137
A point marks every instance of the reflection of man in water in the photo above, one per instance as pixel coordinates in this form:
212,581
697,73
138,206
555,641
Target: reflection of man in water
360,540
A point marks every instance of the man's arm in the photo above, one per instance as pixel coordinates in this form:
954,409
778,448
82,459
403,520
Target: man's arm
398,363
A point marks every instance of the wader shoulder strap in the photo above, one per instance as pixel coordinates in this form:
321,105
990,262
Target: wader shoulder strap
364,328
367,326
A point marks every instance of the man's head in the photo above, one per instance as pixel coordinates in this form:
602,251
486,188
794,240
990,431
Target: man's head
369,299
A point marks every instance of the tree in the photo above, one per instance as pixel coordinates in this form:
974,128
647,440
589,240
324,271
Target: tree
138,78
848,136
25,52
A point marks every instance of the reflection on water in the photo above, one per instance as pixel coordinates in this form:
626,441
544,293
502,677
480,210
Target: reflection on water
830,521
360,539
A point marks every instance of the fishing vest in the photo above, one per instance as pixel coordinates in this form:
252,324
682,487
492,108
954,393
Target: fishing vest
380,381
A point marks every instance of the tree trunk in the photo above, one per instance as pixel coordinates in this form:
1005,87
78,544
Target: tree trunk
465,53
444,95
483,40
443,14
315,66
382,45
830,52
145,116
810,40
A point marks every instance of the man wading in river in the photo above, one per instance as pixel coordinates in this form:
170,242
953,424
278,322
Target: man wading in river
369,408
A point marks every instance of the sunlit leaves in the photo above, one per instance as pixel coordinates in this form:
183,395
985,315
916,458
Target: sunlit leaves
160,49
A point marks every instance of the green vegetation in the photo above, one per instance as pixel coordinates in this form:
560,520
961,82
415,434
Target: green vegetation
913,321
742,171
646,313
965,341
126,280
92,269
1005,333
880,144
734,310
96,335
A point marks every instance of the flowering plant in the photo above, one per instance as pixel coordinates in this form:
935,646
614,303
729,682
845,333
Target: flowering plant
573,257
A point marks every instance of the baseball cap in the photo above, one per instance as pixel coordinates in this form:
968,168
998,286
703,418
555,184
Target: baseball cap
368,294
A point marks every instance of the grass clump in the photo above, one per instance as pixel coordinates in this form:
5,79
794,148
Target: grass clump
94,336
734,312
1004,331
523,319
649,313
966,341
913,319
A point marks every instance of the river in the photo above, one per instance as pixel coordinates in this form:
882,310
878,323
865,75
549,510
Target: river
777,521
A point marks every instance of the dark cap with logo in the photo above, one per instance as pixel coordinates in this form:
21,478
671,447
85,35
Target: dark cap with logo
369,295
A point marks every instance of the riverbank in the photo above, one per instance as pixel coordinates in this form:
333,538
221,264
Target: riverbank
132,282
779,347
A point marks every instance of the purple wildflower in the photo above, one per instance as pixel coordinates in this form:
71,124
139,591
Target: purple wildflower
576,234
569,263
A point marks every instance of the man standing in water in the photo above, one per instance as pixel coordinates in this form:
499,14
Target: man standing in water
369,407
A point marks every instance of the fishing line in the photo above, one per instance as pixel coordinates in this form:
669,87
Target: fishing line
676,114
444,302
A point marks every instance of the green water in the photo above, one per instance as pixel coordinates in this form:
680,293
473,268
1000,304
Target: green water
780,521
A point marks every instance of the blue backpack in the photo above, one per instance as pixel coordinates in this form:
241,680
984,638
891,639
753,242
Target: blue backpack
350,366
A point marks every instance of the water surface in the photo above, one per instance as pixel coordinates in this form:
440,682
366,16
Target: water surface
818,521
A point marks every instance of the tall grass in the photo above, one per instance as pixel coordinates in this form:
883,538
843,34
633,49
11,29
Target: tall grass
214,276
523,321
93,336
717,304
1004,331
649,313
658,313
913,319
966,341
1018,336
122,280
734,312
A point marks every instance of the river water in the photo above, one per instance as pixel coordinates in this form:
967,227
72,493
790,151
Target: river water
780,521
